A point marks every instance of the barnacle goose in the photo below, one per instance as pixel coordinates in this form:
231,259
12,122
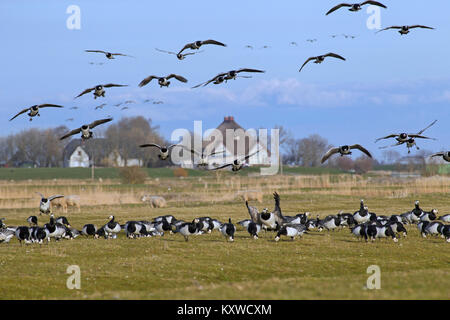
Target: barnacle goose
253,228
89,230
32,220
187,228
112,228
23,234
228,230
291,230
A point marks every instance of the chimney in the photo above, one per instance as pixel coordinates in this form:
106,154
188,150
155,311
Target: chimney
228,119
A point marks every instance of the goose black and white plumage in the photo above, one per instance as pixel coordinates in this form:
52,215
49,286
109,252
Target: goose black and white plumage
32,220
237,164
170,218
291,230
416,212
373,231
202,161
55,230
434,228
197,44
403,30
445,218
320,59
273,220
89,230
345,150
109,55
230,75
330,223
362,215
22,233
112,228
44,205
397,227
99,90
445,155
63,220
253,229
244,223
355,6
360,231
133,228
163,226
429,216
34,110
180,56
187,228
162,81
85,129
228,230
408,138
163,150
6,235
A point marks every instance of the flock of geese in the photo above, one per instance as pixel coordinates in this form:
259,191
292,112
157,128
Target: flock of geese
362,223
192,48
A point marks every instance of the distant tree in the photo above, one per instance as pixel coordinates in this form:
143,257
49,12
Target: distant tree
363,164
390,156
306,152
344,163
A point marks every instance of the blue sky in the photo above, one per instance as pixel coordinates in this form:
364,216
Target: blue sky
388,84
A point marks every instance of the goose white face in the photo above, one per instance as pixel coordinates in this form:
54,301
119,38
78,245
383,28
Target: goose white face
34,110
85,132
99,91
163,82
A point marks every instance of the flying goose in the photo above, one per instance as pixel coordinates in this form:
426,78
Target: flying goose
407,138
44,205
320,59
109,55
163,150
225,76
445,155
203,157
197,44
162,81
355,6
311,40
100,106
237,164
99,90
125,108
85,129
254,214
405,29
293,43
344,150
34,110
180,56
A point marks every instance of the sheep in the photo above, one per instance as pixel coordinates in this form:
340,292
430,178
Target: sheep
154,201
67,201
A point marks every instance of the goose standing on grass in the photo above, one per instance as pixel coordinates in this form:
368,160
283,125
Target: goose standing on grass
320,59
291,230
89,230
416,212
163,150
55,230
63,220
255,216
362,215
445,155
344,150
133,229
445,218
112,228
6,235
99,90
109,55
44,205
404,30
187,228
356,6
273,220
162,81
32,220
374,231
197,44
23,234
34,110
253,228
228,230
85,130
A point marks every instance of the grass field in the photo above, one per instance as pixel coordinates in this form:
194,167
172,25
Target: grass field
321,265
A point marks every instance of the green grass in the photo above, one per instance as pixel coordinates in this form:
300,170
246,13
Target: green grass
326,265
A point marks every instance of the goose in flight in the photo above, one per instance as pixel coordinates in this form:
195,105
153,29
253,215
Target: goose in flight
100,106
163,150
345,150
408,138
405,29
203,157
355,6
445,155
225,76
162,81
85,130
44,205
34,110
320,59
109,55
237,164
197,44
99,90
180,56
